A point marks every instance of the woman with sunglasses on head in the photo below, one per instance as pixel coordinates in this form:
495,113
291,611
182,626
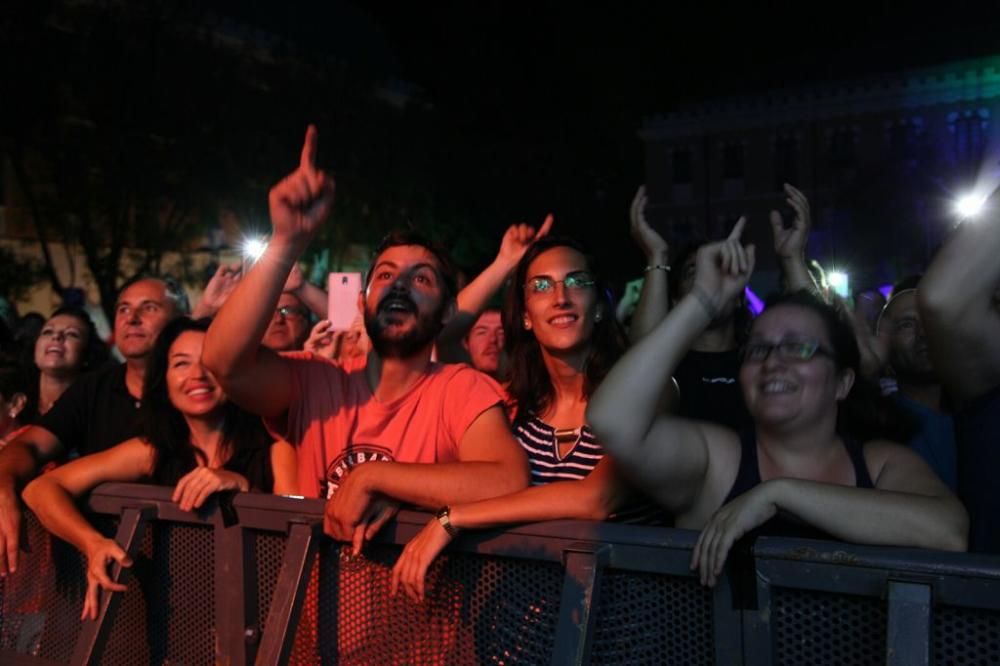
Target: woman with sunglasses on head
813,464
194,440
561,338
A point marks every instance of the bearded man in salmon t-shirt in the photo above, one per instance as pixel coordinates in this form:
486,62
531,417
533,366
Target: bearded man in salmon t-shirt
437,434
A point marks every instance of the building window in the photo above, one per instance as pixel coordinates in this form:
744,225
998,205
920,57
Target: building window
904,138
785,154
969,130
683,171
843,147
732,161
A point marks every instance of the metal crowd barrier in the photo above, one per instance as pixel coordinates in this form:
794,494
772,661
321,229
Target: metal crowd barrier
251,579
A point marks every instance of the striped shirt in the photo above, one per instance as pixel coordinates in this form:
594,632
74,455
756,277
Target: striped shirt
538,439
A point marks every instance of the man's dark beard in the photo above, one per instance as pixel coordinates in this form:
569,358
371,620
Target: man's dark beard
415,340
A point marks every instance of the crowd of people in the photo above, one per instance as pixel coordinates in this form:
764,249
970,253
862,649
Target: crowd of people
816,418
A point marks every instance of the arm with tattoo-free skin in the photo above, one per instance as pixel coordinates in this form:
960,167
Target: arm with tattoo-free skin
253,377
909,506
490,463
790,243
653,301
20,461
473,299
594,497
52,497
666,456
959,300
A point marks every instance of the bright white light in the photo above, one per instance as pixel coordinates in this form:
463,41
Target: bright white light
253,248
970,205
838,282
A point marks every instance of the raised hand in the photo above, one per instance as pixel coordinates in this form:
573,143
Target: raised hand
410,570
323,341
751,509
226,277
302,201
650,242
197,485
99,555
724,268
295,279
519,238
791,243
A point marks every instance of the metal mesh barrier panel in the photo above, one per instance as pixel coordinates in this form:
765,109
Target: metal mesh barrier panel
824,628
268,551
481,608
652,619
269,548
478,611
965,636
168,614
40,614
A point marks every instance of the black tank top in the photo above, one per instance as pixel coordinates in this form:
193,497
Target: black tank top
782,524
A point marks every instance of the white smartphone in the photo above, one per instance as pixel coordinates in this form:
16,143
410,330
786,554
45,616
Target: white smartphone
342,291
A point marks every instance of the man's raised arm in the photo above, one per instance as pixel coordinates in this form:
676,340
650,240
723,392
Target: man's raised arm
253,377
959,309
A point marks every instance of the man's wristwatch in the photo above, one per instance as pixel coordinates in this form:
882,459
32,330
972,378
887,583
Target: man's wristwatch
444,517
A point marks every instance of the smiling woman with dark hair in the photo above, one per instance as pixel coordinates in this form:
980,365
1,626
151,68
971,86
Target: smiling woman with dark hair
67,346
195,440
812,465
562,338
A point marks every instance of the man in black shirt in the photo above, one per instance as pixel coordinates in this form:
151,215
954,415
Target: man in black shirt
95,413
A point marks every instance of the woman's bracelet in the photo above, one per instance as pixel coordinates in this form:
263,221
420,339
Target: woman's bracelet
656,267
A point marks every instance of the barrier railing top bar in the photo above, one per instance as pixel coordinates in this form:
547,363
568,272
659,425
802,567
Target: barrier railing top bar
109,497
269,512
928,562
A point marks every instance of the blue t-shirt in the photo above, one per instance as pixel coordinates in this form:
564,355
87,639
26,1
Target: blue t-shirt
934,440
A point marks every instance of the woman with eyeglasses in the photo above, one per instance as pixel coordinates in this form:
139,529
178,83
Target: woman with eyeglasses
561,337
194,440
812,466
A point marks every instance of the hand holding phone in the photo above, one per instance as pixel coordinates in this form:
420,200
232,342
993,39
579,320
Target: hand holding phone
343,290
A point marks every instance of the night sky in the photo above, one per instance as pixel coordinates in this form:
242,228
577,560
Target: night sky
537,105
561,88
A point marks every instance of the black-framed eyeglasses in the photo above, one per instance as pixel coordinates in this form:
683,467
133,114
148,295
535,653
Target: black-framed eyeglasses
291,311
789,351
545,285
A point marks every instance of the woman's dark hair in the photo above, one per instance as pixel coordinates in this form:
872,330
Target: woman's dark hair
529,385
164,426
865,413
95,353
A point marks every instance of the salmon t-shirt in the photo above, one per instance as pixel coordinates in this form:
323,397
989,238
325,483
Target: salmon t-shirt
335,423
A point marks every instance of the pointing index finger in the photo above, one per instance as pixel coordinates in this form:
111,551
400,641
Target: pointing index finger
546,226
737,229
308,159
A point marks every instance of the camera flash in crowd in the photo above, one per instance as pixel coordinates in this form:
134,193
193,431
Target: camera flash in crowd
839,283
253,249
969,205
